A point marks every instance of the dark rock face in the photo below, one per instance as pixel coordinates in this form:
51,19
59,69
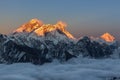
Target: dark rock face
37,52
94,49
20,49
2,38
22,53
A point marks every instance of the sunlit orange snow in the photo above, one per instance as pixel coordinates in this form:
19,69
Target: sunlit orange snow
30,26
40,29
49,27
108,37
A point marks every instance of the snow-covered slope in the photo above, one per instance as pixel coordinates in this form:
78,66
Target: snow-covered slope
74,69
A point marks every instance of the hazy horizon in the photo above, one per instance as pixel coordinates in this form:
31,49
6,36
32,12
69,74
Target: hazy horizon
84,17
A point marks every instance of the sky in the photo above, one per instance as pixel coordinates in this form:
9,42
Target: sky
84,17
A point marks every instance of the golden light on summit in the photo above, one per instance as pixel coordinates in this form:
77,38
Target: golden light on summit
33,21
49,27
62,24
108,37
30,26
37,26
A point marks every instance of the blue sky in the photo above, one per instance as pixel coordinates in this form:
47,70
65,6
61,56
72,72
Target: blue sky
84,17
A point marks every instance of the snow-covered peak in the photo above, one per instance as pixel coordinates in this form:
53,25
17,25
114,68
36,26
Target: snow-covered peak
34,21
50,28
108,37
29,26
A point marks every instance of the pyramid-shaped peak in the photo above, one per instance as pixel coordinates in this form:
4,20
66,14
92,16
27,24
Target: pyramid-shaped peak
62,24
108,37
35,20
30,26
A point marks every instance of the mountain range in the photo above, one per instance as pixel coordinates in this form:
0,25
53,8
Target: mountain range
39,43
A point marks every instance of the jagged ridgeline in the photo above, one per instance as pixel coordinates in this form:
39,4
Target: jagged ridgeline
39,43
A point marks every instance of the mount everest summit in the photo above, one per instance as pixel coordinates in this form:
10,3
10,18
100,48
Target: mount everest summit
39,43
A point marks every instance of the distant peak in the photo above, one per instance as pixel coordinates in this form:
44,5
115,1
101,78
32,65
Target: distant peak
108,37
